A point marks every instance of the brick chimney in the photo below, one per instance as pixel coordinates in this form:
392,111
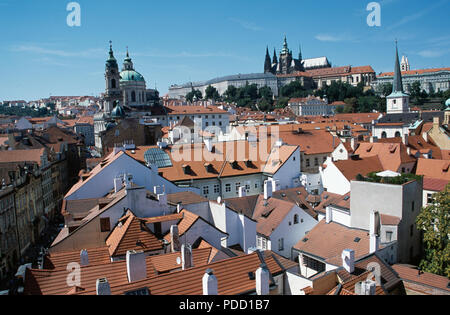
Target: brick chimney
174,239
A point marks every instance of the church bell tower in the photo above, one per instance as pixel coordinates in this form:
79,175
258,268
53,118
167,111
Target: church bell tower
112,79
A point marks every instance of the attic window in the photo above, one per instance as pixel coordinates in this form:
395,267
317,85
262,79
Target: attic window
357,239
208,167
234,164
186,169
299,193
446,167
346,198
248,163
305,240
325,197
283,195
251,275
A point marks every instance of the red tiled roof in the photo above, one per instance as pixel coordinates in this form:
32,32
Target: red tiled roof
131,233
439,169
327,241
414,72
410,274
434,184
351,168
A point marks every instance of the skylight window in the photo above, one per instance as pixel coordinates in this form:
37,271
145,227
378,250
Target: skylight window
158,157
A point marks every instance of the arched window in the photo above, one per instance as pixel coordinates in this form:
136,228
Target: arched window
397,134
113,83
384,135
133,96
296,219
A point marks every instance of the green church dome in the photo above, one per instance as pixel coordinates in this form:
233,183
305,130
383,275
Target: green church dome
131,75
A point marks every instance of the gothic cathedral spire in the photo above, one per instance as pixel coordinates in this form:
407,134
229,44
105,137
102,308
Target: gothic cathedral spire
267,64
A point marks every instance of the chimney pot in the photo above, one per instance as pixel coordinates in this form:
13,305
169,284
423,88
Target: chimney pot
102,287
84,258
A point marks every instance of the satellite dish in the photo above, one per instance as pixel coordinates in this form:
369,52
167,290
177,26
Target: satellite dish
178,261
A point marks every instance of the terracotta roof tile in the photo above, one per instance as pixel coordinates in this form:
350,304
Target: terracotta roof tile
60,260
351,168
434,184
327,241
411,274
131,233
439,169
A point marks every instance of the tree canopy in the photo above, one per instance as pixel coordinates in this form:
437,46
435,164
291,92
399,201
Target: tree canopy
434,222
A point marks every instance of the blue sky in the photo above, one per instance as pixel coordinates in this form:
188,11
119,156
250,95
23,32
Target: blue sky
178,41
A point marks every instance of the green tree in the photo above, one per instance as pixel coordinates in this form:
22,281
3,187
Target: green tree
211,93
385,89
434,222
194,94
230,94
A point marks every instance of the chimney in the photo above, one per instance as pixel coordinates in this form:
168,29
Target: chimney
117,184
267,189
156,189
84,258
242,192
128,180
365,287
405,139
186,256
435,122
102,287
328,215
262,280
425,136
408,150
275,185
374,231
179,207
136,266
209,282
174,239
348,260
352,144
208,144
162,198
